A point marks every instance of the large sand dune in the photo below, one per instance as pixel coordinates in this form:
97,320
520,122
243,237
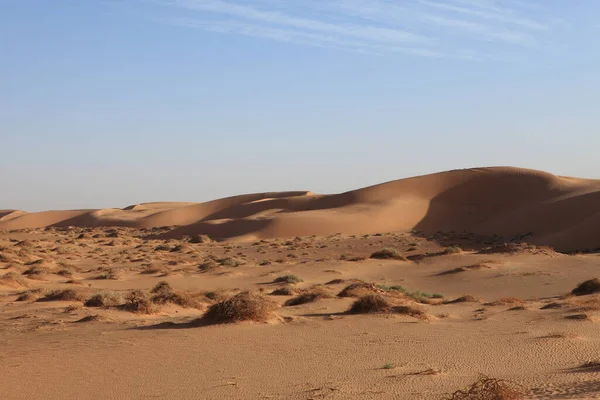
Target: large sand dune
558,211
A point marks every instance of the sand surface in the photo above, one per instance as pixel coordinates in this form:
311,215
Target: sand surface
455,233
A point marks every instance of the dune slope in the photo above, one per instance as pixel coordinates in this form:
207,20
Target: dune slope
558,211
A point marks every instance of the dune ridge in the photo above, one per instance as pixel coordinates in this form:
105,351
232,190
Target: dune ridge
562,212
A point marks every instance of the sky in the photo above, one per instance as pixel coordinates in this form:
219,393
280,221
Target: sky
107,103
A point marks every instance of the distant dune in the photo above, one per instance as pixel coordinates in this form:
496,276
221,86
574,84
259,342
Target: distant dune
558,211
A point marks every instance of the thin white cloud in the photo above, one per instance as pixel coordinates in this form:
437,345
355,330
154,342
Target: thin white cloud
464,29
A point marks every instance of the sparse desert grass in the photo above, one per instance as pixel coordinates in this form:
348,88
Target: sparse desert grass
291,279
138,301
453,250
284,291
489,389
388,254
587,287
105,299
308,296
370,303
244,306
63,295
30,295
230,262
163,293
358,289
464,299
36,272
375,303
13,279
113,274
346,257
506,301
552,305
422,297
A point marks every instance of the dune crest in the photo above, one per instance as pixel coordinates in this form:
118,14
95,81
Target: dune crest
563,212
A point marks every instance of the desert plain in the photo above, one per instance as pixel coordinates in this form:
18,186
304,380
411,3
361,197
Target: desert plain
412,289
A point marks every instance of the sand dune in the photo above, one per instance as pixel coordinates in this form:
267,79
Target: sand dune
558,211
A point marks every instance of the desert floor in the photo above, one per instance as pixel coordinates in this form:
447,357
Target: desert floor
53,346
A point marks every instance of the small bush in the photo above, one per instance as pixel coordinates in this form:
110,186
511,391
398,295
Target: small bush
309,296
105,300
453,250
284,291
163,293
244,306
63,295
138,301
291,279
358,289
370,303
489,389
588,287
388,254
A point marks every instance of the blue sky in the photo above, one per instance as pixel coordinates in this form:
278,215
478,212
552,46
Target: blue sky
107,103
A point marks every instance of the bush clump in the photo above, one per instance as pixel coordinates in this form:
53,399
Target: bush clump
291,279
138,301
105,300
63,295
388,254
489,389
309,296
244,306
590,286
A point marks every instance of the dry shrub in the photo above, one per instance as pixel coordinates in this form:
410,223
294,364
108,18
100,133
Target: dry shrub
163,293
388,254
489,389
13,279
309,296
588,287
105,300
373,303
36,272
115,275
464,299
284,291
244,306
138,301
200,239
209,265
358,289
370,303
552,305
506,301
288,279
335,282
63,295
30,295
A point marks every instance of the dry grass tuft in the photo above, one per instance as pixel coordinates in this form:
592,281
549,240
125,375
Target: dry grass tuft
13,280
590,286
464,299
244,306
30,295
105,299
388,254
138,301
489,389
285,291
359,289
63,295
506,301
309,296
163,293
370,303
291,279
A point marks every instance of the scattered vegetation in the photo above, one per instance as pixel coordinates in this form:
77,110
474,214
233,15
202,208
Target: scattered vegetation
163,293
464,299
489,389
63,295
370,303
388,254
453,250
358,289
284,291
138,301
309,296
291,279
590,286
244,306
105,299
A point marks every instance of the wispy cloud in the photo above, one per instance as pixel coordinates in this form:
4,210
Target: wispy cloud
464,29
